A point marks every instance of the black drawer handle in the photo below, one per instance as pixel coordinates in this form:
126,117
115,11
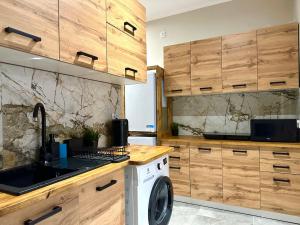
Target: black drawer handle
111,183
281,180
13,30
175,146
132,28
53,212
175,167
206,89
131,70
281,167
237,86
204,149
277,83
176,90
239,152
281,153
87,55
174,157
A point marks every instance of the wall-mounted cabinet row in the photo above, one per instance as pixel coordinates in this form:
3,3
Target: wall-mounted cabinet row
106,36
247,176
260,60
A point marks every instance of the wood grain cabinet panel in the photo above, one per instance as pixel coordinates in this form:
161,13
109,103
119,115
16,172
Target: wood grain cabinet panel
58,209
102,201
128,16
280,193
278,66
38,18
206,66
179,161
241,177
125,56
239,62
206,172
177,63
83,33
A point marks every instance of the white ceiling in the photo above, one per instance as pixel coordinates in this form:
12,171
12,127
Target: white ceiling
157,9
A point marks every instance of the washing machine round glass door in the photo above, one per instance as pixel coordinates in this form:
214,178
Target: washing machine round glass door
161,202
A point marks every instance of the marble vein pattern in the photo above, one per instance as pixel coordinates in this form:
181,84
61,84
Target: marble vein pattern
231,113
70,103
188,214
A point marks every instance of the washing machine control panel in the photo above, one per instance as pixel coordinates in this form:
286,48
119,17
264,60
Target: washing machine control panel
159,166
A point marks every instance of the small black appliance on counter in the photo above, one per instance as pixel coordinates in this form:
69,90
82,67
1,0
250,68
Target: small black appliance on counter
274,130
119,132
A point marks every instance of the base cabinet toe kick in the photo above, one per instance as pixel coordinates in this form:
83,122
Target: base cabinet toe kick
257,177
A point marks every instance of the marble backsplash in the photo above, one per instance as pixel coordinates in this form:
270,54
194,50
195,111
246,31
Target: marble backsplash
231,113
70,102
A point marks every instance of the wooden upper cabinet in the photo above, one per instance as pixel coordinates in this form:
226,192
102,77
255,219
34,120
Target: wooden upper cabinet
206,66
128,16
278,57
239,62
30,26
177,63
125,55
82,26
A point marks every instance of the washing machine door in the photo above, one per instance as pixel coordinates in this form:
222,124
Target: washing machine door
161,202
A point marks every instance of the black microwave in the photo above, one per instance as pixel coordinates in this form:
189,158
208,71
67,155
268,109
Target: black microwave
274,130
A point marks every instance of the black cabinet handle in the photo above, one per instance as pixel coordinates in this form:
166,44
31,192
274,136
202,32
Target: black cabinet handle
87,55
281,180
281,167
131,30
204,149
175,167
176,90
111,183
239,152
206,89
236,86
174,157
22,33
131,70
281,154
53,212
175,146
277,83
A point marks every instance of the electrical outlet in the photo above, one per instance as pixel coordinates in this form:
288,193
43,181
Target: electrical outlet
163,34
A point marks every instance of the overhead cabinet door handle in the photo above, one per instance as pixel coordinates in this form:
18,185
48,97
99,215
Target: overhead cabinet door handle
22,33
131,30
54,211
87,55
131,70
111,183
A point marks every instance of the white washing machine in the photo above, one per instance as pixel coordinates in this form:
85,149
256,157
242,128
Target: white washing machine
149,193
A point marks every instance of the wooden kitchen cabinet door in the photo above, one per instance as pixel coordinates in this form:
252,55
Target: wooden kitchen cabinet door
82,26
125,55
241,177
177,63
128,16
102,200
37,22
206,173
278,55
239,62
206,66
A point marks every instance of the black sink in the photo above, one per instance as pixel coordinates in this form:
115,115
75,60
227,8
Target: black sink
30,177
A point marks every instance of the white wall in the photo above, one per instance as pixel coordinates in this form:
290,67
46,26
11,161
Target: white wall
297,10
227,18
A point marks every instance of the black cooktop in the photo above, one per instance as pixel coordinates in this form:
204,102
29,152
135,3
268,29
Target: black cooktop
227,136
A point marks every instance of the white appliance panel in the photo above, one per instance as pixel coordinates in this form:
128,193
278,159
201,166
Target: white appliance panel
150,141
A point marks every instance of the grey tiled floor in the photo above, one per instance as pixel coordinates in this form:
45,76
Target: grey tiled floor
187,214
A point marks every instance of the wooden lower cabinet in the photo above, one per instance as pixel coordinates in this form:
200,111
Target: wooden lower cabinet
241,177
280,193
206,173
62,209
179,161
102,200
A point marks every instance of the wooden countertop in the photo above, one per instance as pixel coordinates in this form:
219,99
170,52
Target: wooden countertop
194,140
139,155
